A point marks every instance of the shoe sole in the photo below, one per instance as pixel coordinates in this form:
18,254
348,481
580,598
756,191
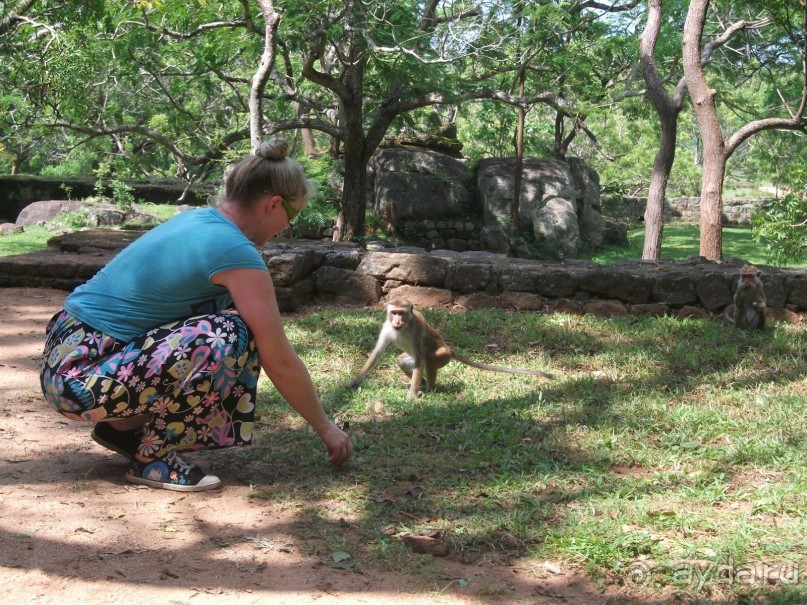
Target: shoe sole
110,446
214,483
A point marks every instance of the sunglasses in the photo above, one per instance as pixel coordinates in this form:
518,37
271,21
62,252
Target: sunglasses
291,211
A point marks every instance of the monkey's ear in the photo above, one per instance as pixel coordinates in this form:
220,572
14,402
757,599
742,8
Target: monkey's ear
759,272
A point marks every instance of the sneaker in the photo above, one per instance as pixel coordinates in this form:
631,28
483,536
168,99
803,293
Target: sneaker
171,472
121,442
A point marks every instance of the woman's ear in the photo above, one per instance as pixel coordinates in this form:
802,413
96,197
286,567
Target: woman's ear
274,202
270,203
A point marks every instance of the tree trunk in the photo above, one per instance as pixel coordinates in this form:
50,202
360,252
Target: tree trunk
350,222
657,193
714,159
714,166
515,213
307,136
271,21
668,110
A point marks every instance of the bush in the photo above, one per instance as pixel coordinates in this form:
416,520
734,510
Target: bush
781,226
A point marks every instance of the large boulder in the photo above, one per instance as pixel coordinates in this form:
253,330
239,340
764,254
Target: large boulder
559,204
555,228
421,184
39,212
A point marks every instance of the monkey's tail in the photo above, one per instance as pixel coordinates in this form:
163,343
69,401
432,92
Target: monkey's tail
482,366
728,314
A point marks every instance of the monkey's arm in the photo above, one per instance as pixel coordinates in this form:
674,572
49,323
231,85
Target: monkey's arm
372,361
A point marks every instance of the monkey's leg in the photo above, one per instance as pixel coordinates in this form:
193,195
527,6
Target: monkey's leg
440,358
409,367
431,377
414,386
407,363
755,318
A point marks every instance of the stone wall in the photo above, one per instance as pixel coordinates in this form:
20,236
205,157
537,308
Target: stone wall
681,210
305,272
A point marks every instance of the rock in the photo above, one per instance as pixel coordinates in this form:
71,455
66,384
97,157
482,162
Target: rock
422,270
478,300
689,311
658,309
675,289
605,308
427,545
424,298
9,228
630,287
38,212
521,301
349,287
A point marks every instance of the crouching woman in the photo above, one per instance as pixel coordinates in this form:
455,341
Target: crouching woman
149,352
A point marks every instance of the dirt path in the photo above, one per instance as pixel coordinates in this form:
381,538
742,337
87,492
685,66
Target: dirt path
73,531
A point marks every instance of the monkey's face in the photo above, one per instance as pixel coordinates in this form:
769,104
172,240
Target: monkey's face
748,278
398,317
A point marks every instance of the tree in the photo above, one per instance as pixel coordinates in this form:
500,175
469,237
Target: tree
668,108
717,149
415,55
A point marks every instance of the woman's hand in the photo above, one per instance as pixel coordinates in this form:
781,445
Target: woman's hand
339,445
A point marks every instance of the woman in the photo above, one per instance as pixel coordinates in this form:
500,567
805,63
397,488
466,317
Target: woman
147,351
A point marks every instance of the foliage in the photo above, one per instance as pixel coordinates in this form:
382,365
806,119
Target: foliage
781,227
161,88
321,209
646,450
122,192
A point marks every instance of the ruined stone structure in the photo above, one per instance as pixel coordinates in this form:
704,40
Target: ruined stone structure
305,272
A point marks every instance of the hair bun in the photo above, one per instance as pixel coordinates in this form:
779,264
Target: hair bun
273,149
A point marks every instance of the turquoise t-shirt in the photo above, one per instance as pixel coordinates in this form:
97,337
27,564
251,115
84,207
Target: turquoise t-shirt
164,275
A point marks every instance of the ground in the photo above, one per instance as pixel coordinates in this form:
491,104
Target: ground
74,531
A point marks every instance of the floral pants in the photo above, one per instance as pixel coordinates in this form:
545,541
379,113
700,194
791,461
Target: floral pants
196,379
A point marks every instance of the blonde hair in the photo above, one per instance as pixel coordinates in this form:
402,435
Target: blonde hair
269,170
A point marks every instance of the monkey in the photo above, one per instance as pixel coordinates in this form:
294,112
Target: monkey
424,349
750,307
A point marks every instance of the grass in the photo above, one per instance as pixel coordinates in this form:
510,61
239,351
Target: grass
650,463
683,241
35,238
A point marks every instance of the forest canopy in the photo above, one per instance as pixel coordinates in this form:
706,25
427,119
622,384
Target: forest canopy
169,88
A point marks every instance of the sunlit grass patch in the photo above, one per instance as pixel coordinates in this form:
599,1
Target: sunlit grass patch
660,441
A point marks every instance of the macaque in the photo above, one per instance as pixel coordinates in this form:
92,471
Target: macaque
749,308
424,350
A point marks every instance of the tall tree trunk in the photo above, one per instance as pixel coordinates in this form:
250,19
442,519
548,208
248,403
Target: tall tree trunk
350,222
668,110
714,158
515,213
271,21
